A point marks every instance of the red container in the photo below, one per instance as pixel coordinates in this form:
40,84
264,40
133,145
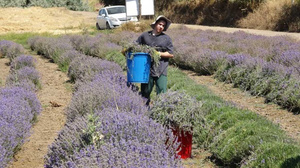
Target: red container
185,140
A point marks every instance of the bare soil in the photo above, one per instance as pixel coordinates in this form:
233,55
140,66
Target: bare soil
4,69
56,91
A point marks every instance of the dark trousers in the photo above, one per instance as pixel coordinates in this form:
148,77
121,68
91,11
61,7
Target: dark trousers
160,84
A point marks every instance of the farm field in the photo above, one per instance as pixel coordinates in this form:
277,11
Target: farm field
285,119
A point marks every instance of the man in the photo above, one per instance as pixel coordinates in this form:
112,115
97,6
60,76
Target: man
163,43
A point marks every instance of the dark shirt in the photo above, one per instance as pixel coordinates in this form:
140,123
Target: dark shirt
163,43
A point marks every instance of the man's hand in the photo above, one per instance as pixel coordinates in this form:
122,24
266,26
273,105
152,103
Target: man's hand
124,50
166,55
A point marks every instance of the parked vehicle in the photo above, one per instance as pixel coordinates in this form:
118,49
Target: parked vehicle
112,16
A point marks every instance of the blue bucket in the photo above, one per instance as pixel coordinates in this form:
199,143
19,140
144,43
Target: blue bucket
138,67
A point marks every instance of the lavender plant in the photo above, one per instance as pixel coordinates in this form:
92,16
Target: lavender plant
26,74
10,49
177,110
77,41
23,61
267,155
119,124
18,109
122,38
8,142
84,68
18,112
122,138
93,95
23,94
51,48
123,154
34,42
97,46
239,141
70,140
268,79
65,59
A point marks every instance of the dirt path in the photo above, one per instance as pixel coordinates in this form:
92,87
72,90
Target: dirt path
287,120
51,120
269,33
4,70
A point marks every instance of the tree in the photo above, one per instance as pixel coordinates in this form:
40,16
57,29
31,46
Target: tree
113,2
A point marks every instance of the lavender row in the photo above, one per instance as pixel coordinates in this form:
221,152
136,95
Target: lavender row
19,106
267,67
107,127
279,49
50,47
273,81
79,67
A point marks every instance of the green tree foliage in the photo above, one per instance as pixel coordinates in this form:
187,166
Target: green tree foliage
113,2
77,5
10,3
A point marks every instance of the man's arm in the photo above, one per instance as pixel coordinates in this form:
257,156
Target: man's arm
166,55
168,51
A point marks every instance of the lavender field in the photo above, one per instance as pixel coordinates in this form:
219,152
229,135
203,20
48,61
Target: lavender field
108,123
256,145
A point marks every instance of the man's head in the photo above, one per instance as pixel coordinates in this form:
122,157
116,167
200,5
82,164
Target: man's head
162,23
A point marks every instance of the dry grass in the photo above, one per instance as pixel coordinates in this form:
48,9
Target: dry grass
205,12
279,15
37,19
140,26
266,16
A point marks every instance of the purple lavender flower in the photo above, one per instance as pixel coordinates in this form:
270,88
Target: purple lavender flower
70,140
26,74
84,68
23,94
18,109
94,95
23,61
10,49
